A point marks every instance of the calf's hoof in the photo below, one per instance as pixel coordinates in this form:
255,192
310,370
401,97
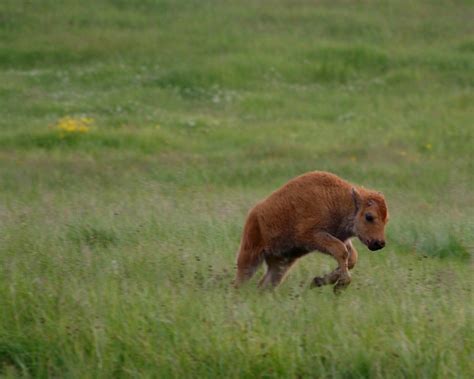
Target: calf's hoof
317,282
342,284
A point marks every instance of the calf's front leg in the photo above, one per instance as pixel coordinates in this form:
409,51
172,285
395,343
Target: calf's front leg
328,244
353,255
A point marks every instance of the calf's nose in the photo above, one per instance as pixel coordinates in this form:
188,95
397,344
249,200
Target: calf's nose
377,245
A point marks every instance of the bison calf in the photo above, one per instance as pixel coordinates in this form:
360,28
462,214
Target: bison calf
315,211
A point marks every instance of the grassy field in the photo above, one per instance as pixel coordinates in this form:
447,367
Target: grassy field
118,243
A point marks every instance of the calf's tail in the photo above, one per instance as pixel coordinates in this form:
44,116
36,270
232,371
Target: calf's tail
250,255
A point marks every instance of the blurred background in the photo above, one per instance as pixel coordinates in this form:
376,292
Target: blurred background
135,135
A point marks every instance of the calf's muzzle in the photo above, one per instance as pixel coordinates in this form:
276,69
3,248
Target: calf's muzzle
376,245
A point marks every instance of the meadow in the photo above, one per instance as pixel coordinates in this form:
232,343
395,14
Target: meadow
135,136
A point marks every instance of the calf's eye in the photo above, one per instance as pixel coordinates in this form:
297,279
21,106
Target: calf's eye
369,217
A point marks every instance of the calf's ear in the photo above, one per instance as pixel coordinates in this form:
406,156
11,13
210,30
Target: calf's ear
357,199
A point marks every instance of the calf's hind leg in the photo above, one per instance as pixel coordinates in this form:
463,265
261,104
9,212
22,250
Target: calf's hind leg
276,270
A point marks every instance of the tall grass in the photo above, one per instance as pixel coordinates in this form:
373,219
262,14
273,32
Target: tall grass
117,245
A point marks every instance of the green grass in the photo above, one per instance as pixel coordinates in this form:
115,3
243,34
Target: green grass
117,247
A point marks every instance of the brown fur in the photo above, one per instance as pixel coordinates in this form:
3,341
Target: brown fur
315,211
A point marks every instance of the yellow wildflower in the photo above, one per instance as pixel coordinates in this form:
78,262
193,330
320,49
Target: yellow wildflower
69,125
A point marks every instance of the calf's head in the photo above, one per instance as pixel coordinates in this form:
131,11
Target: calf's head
370,218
